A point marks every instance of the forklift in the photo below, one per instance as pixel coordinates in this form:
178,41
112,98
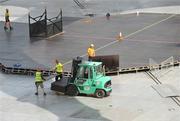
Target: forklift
87,78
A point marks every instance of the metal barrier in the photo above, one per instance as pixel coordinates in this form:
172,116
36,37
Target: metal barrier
165,66
31,72
41,26
37,25
168,62
23,71
156,68
26,71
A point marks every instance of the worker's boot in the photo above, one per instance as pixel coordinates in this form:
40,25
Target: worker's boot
11,28
5,28
36,93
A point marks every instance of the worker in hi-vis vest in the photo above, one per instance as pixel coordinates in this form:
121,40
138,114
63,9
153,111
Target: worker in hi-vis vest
91,52
39,81
59,70
7,21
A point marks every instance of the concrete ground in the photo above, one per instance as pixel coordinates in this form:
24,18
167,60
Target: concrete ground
135,97
132,99
146,36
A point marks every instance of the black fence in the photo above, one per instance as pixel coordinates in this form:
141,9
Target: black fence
41,26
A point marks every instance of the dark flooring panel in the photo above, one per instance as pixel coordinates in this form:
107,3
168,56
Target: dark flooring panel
158,42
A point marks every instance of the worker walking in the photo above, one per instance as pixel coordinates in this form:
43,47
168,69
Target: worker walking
7,21
39,81
59,70
91,52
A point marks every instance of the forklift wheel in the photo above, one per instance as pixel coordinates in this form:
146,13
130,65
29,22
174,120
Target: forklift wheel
99,93
71,90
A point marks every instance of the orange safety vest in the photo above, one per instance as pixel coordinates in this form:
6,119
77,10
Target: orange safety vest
91,52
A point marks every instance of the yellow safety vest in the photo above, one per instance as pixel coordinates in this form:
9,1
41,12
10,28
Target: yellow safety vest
91,52
59,68
38,77
6,14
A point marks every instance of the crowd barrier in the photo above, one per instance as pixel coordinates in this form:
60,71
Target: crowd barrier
31,72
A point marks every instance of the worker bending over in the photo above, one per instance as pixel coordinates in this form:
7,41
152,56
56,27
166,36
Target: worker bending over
91,52
39,81
59,70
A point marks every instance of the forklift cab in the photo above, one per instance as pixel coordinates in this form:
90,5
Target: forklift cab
87,76
89,72
84,74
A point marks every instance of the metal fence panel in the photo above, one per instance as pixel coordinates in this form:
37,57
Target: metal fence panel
41,26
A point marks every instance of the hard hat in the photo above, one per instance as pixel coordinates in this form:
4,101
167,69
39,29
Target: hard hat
92,45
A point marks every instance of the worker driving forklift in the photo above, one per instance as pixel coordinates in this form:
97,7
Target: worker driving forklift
87,78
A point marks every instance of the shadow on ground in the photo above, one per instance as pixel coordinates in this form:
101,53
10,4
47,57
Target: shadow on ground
18,99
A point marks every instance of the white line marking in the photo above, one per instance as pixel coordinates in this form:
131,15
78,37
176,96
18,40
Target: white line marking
134,33
147,27
60,33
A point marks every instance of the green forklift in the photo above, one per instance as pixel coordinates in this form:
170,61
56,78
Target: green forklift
87,78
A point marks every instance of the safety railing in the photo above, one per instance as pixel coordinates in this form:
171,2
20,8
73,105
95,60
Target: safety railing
46,72
161,69
55,25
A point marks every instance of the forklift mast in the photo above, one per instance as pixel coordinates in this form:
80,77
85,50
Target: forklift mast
75,67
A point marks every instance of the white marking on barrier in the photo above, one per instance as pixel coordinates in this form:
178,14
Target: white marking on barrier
137,13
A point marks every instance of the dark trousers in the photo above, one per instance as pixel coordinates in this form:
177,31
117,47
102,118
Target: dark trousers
58,77
90,58
39,84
